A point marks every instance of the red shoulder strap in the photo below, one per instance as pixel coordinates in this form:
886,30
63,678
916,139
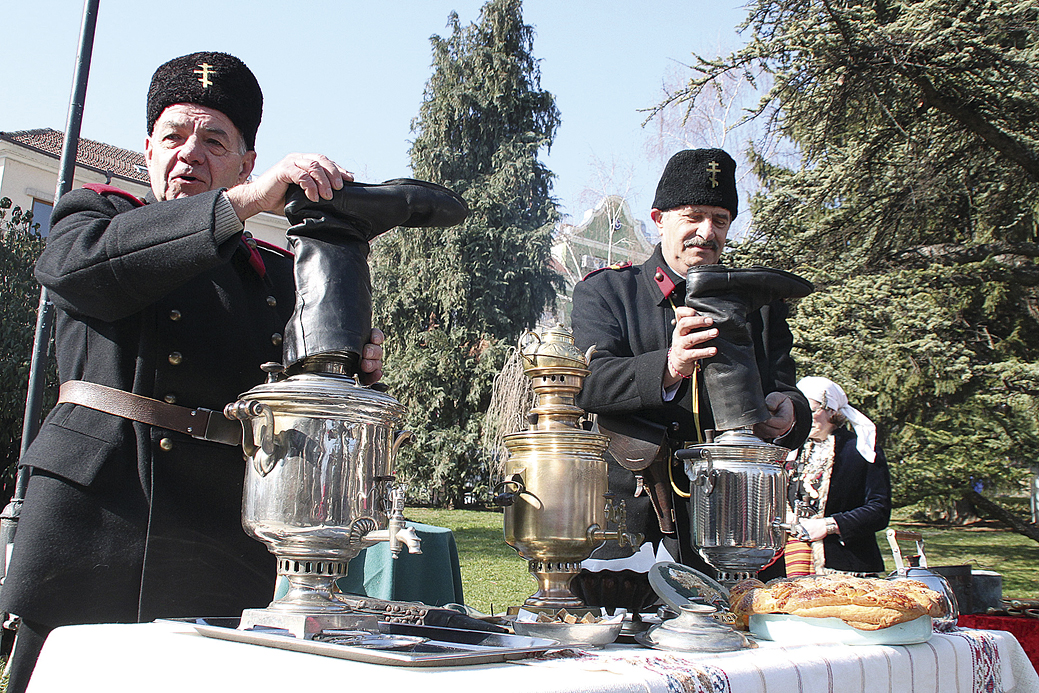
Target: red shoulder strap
252,246
664,282
614,266
105,189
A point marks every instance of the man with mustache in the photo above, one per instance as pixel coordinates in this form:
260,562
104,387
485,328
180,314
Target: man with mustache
165,313
644,375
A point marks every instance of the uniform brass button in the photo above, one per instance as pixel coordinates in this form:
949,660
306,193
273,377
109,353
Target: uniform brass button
271,301
174,315
276,339
166,444
176,358
170,398
659,276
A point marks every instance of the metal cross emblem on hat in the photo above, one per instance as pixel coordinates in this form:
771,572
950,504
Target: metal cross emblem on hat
714,170
205,71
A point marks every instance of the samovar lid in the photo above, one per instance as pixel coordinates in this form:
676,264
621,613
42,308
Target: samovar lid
737,445
552,346
328,395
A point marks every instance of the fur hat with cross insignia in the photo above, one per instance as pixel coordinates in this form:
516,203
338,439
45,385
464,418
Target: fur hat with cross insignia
214,80
698,177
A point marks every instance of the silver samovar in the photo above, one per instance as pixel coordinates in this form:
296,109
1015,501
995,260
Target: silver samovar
319,487
738,484
556,494
320,448
737,500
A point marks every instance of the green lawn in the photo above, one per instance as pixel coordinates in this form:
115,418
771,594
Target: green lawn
1013,556
494,576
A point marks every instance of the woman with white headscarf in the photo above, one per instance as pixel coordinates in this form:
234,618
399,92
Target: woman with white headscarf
840,489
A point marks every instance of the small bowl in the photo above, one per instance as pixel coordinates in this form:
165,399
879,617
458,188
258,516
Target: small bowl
591,634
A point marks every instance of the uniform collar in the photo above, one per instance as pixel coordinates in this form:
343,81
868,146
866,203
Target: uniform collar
661,280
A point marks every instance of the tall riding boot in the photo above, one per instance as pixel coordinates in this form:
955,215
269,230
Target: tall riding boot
330,240
729,295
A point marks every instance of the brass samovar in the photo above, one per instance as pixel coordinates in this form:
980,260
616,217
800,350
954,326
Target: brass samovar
555,494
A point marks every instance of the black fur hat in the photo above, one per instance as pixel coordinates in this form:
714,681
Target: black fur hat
698,177
214,80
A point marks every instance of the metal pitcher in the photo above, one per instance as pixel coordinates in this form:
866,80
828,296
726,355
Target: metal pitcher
950,607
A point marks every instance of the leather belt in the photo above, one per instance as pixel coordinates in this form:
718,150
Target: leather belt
204,424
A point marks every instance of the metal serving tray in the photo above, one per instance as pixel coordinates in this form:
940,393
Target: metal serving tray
440,647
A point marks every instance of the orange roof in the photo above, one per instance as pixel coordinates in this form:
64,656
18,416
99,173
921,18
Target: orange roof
95,155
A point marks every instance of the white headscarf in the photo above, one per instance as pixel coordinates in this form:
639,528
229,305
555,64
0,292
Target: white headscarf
830,395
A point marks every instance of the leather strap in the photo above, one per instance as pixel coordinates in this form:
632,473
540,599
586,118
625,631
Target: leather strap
204,424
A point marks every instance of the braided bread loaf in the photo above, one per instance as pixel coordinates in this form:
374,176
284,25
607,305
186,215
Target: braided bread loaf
863,603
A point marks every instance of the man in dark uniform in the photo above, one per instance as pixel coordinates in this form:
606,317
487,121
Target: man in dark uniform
645,374
130,515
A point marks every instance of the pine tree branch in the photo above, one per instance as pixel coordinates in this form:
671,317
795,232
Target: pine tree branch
1016,256
998,512
973,121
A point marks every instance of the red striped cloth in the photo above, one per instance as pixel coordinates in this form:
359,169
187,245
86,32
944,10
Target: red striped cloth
798,555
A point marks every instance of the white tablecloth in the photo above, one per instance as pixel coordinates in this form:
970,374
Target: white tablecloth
163,656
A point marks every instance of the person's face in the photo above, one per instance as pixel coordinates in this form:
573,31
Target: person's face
194,149
822,423
692,235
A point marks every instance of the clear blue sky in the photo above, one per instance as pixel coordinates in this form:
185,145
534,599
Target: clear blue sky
345,78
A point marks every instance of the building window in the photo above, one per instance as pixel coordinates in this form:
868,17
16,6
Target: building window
41,214
591,262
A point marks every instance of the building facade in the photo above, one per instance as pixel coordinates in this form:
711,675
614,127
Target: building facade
608,235
29,163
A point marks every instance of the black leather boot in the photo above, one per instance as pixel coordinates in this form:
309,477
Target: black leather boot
729,295
330,239
362,211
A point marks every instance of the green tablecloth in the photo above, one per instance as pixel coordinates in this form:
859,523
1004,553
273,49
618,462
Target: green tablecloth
431,577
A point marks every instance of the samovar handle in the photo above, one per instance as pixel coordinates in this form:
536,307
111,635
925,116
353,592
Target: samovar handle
262,455
401,438
706,476
504,496
524,340
507,496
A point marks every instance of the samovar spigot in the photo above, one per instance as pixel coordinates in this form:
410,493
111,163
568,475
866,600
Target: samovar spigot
397,534
617,513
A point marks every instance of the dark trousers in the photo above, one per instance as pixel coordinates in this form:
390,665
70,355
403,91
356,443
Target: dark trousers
27,645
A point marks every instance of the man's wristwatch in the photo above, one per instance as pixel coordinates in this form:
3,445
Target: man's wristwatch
831,526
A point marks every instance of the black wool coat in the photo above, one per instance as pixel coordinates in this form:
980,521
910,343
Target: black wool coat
628,319
122,521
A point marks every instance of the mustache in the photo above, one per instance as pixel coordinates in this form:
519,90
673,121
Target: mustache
697,242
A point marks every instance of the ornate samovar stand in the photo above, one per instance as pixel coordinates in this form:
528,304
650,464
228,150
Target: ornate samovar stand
555,490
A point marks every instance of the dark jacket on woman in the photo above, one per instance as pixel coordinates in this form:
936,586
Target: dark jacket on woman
859,500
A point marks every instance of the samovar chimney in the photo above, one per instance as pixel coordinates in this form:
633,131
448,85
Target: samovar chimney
737,482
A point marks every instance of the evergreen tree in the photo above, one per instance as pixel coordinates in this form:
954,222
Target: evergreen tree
20,246
914,208
453,301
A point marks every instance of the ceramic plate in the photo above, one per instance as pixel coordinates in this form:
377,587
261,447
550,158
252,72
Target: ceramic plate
799,630
679,584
